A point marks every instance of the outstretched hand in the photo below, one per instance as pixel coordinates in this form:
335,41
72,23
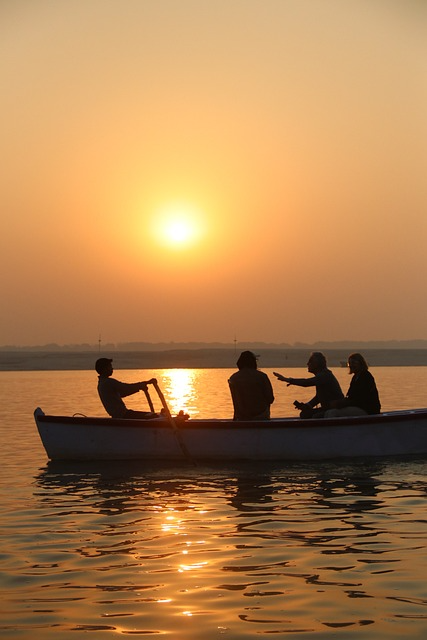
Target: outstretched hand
282,378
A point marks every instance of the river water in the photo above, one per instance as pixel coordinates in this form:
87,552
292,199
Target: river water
301,550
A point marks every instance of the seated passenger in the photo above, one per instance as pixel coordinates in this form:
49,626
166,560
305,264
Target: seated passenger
251,390
327,387
362,395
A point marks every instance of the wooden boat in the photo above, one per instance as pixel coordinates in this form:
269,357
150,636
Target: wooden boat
164,438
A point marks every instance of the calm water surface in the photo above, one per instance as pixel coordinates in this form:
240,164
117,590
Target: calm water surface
325,550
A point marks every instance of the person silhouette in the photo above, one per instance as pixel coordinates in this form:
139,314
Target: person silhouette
362,396
251,390
111,392
327,387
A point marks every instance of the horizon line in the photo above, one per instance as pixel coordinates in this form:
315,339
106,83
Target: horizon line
139,345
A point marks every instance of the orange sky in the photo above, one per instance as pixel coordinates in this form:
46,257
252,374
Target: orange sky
289,135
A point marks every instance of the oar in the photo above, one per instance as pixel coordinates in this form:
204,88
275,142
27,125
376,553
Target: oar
171,421
150,402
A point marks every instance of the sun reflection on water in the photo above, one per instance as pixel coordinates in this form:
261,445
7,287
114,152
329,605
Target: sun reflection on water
191,567
180,389
172,525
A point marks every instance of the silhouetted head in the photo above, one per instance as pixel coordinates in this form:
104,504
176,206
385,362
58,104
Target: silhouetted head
103,365
247,360
356,363
316,362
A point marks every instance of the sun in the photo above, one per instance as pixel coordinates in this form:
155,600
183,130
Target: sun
178,231
177,226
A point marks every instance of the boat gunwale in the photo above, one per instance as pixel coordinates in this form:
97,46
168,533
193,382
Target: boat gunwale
224,423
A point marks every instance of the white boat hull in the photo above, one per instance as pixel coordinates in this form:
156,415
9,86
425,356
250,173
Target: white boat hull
79,438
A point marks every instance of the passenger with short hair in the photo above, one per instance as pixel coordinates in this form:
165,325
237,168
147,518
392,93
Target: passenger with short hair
328,388
111,392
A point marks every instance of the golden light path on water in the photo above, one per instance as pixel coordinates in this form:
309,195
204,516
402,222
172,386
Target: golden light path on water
180,389
174,522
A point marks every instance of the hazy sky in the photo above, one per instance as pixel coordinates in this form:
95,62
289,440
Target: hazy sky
178,170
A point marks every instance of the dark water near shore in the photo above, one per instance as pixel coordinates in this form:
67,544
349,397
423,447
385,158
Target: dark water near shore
326,550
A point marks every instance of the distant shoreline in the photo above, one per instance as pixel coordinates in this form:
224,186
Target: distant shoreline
207,358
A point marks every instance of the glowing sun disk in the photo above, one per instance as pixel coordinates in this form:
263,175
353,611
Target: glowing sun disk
178,231
177,226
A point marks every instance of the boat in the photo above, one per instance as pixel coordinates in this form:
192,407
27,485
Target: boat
393,433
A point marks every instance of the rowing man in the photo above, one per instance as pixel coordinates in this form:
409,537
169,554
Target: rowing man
111,392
